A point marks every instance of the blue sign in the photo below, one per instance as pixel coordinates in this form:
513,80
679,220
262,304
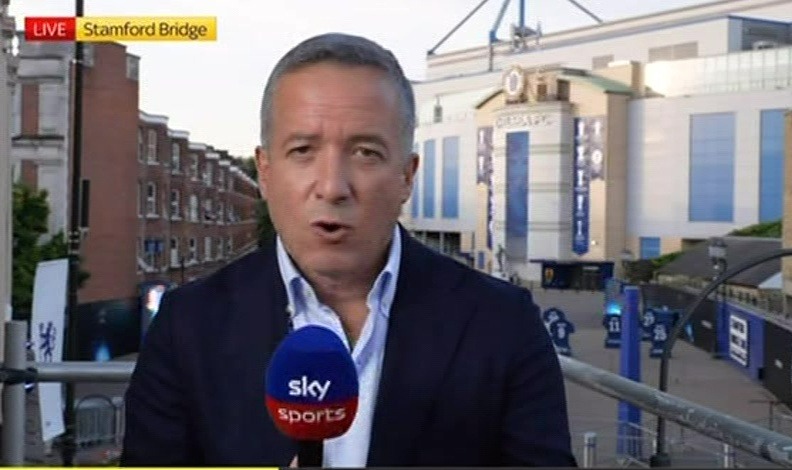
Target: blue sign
559,332
613,327
647,321
660,331
551,315
580,194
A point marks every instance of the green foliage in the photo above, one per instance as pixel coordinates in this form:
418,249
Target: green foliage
30,214
265,231
771,229
248,165
663,260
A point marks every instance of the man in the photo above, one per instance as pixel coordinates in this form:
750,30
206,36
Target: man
455,367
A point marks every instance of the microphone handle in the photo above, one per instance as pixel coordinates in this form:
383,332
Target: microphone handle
310,454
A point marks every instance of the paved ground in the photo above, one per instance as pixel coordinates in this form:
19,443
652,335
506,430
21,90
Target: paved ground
694,375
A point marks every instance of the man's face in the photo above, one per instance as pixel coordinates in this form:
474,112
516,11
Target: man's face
336,174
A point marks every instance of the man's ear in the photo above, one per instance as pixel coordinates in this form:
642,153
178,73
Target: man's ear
408,175
262,168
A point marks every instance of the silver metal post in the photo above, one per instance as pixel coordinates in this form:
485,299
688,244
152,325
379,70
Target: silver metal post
14,396
590,450
728,456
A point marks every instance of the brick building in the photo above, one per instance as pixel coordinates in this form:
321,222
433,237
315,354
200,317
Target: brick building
160,207
196,210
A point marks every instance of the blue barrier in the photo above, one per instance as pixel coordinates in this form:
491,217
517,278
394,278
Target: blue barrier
629,442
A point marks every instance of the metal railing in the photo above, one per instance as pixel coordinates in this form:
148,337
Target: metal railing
732,432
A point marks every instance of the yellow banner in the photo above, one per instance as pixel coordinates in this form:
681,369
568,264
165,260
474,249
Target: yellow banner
163,28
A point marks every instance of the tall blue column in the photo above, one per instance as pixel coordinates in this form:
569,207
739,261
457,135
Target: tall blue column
630,367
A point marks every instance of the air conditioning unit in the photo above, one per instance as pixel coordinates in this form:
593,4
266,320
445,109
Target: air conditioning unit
760,45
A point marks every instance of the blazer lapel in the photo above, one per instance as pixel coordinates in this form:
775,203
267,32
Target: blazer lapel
258,322
426,324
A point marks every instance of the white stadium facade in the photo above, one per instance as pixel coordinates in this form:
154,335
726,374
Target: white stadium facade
567,153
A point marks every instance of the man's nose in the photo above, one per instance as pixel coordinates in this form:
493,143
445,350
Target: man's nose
333,184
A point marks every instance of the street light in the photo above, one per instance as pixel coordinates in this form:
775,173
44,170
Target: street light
717,254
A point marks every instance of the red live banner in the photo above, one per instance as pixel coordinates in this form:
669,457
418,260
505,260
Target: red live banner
50,28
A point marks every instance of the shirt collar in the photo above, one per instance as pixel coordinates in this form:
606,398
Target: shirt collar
382,291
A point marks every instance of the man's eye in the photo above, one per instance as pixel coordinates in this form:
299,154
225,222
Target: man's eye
368,153
300,151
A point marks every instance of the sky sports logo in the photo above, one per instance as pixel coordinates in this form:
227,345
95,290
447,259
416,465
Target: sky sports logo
312,410
103,29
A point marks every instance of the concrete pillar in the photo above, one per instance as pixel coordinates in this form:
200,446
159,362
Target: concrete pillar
6,102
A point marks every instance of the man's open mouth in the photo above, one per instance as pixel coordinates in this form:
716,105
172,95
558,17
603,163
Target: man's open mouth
330,227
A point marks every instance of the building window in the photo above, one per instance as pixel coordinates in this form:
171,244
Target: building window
151,199
220,212
208,215
229,246
141,146
711,195
175,204
193,251
151,154
771,166
220,178
175,157
650,247
175,262
517,144
208,249
194,166
132,67
207,176
219,241
429,180
140,202
193,208
450,177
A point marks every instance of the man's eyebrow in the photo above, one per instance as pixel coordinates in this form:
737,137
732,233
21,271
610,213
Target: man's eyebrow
370,138
301,136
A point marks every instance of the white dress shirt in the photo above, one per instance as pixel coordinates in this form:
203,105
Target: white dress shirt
351,449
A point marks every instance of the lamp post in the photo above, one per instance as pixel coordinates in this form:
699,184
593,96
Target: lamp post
68,442
717,254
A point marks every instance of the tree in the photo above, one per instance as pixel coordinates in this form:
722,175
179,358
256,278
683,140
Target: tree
248,165
30,214
265,231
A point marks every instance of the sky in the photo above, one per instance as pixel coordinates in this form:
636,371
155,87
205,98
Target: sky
213,89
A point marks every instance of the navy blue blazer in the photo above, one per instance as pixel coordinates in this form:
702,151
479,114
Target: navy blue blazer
470,376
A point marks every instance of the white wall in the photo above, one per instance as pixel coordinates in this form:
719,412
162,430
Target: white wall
658,161
466,222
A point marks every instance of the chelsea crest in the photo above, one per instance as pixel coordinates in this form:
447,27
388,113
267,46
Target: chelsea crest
514,84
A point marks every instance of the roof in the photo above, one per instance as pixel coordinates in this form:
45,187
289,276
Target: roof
456,106
696,263
633,25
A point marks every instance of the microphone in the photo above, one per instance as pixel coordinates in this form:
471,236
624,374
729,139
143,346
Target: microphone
312,390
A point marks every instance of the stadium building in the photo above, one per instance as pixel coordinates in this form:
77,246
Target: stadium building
551,158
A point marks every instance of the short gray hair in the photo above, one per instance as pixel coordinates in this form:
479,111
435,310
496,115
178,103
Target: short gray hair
347,50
